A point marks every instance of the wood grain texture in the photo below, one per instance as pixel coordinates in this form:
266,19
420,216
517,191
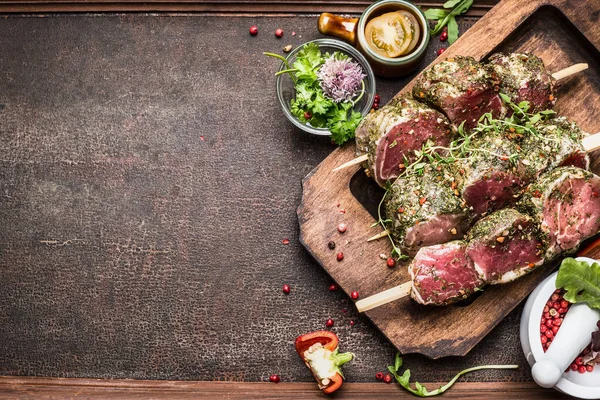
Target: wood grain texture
561,34
214,6
56,388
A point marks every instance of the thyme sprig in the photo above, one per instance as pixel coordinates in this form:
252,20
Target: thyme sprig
520,123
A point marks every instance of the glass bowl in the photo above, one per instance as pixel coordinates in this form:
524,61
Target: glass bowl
287,92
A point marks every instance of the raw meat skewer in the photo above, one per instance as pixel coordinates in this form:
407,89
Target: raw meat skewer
565,206
531,83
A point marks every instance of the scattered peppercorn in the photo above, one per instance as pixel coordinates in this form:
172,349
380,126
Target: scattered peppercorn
379,376
254,30
286,289
351,322
340,256
342,227
285,241
333,287
331,245
274,378
287,48
279,32
329,323
307,115
440,51
444,36
354,295
387,378
391,263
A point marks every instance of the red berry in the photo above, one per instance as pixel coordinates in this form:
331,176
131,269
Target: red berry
444,36
279,32
546,308
555,297
340,256
549,334
440,51
333,287
581,369
274,378
546,315
574,367
285,241
342,228
543,328
286,289
329,323
562,310
391,262
354,295
549,323
387,378
254,30
579,361
564,304
543,339
589,368
307,115
555,329
379,376
557,322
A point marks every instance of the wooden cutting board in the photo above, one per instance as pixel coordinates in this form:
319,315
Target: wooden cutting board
562,33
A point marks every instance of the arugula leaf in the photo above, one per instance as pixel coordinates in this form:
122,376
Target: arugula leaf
436,13
581,281
452,30
420,390
445,17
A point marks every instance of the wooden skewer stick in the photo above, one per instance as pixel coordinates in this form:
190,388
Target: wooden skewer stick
350,163
573,69
379,299
563,73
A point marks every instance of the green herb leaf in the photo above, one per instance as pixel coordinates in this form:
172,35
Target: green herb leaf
421,391
460,6
397,362
581,281
452,30
436,13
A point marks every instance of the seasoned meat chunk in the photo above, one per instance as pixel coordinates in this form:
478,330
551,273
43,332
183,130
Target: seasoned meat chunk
557,144
504,245
391,135
461,88
426,209
523,77
566,203
443,274
492,179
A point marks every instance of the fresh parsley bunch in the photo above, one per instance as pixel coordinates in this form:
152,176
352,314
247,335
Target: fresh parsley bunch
447,16
327,88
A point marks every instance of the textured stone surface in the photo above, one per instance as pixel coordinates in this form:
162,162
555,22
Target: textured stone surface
147,180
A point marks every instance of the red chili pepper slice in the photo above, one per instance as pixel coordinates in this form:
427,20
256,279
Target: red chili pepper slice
329,341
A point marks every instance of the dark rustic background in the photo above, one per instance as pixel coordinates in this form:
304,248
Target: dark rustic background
147,180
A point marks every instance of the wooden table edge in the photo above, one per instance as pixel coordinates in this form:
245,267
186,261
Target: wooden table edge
56,388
